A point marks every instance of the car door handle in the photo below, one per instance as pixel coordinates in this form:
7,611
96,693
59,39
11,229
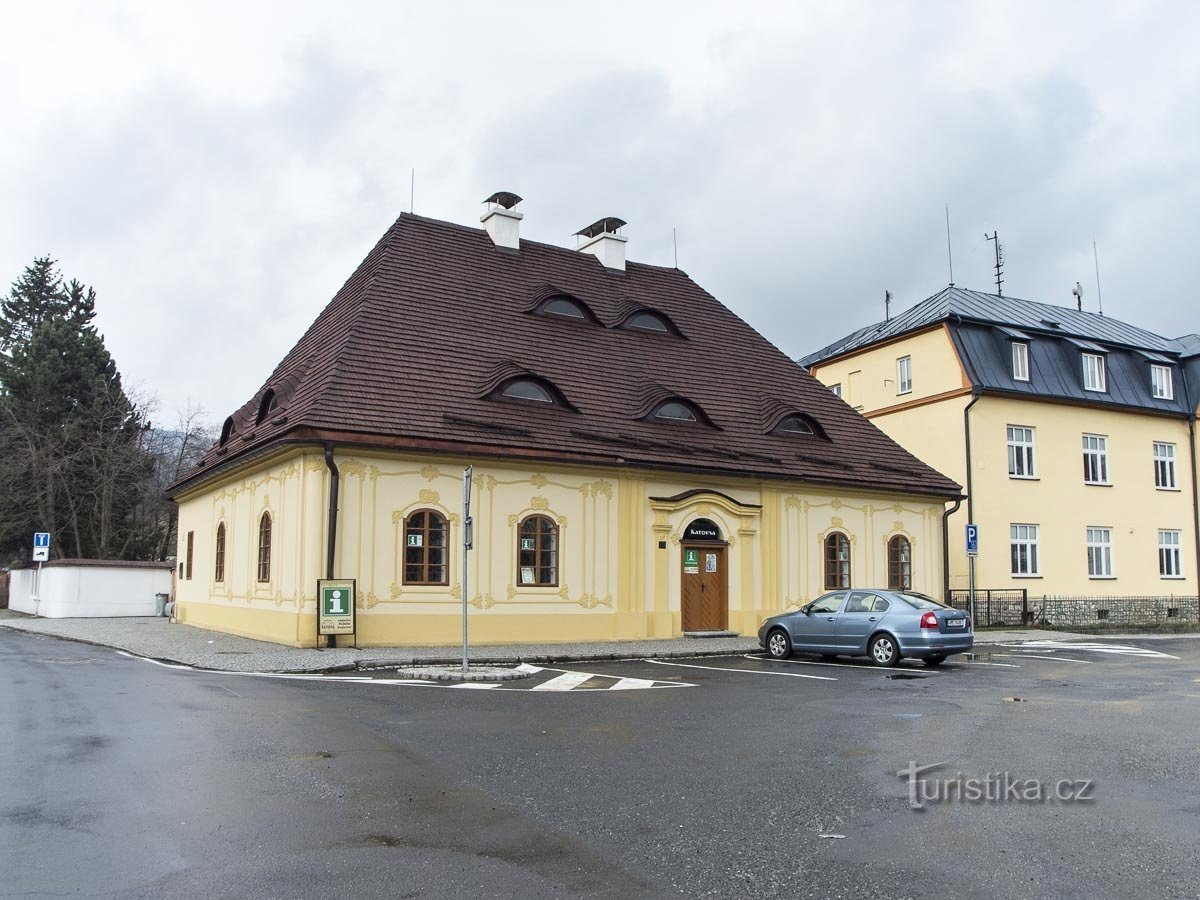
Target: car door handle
872,619
830,619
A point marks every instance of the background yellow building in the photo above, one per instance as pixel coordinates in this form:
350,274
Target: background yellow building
1073,433
645,464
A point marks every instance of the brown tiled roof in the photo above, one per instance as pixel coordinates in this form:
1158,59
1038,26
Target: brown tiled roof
436,317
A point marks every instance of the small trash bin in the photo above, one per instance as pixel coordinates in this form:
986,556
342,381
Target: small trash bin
160,604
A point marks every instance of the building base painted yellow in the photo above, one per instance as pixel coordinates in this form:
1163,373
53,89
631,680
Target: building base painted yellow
620,559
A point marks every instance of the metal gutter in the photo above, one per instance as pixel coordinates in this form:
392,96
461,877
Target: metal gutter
335,479
946,548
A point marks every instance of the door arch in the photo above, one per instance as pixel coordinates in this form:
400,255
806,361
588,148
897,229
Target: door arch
704,579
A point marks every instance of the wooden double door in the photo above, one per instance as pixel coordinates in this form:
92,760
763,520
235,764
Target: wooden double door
705,601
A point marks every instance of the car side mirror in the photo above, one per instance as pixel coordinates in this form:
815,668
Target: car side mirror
807,610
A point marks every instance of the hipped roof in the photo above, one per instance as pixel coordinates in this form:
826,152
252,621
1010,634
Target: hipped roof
410,347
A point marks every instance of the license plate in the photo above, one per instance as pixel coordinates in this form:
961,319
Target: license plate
956,623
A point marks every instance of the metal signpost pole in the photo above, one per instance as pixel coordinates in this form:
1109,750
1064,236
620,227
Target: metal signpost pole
467,541
972,553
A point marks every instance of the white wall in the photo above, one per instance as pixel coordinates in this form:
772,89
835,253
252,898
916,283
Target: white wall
78,591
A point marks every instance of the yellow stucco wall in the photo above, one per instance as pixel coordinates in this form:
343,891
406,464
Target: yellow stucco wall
869,379
615,581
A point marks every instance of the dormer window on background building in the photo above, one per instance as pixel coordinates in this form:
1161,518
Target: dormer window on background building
1020,361
1162,384
1094,378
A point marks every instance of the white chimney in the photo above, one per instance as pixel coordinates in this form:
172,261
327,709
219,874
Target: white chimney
603,240
503,223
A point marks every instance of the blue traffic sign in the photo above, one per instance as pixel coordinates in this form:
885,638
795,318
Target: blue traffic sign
41,539
41,546
972,540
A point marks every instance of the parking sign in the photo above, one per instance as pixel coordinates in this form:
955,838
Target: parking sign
972,540
41,546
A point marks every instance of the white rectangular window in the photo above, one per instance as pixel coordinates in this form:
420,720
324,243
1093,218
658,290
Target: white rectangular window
1020,361
1162,385
1093,372
1020,452
904,375
1023,542
837,389
1170,562
1164,465
1099,552
1095,459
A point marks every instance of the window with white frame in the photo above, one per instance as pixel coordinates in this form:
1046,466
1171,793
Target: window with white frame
1170,559
1162,385
837,389
1164,465
1099,552
1095,459
904,375
1093,372
1020,452
1020,354
1023,544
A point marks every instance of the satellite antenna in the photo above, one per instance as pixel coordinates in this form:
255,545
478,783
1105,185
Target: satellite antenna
887,306
1078,292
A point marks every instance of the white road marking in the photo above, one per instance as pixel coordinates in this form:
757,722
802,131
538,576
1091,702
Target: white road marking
813,662
632,684
971,662
564,682
477,685
659,662
1117,649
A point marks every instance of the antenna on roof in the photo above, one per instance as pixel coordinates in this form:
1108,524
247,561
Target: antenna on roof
412,190
887,305
994,237
949,255
1078,292
675,244
1096,257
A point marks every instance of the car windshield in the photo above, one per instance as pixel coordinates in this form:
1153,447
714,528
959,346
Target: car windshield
920,601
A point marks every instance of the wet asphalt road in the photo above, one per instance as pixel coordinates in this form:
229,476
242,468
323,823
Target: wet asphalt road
124,778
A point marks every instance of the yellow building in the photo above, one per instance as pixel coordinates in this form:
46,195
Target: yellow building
1073,433
644,463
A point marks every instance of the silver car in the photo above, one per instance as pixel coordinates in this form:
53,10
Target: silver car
883,625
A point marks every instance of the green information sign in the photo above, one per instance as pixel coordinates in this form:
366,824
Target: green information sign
691,557
335,606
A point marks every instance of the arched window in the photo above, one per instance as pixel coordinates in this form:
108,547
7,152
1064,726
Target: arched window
674,411
537,552
899,564
264,547
647,321
228,430
564,306
219,555
425,548
525,389
793,425
267,405
837,561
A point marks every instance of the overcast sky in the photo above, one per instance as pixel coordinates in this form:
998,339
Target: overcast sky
216,171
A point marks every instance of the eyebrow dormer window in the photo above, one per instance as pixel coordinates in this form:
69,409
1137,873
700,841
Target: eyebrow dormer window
793,425
674,411
562,306
524,389
269,404
645,321
228,430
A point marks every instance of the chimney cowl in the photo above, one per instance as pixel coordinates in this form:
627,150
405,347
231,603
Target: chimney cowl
603,240
502,221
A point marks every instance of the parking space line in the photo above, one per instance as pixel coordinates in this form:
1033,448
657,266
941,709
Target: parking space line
659,662
1043,658
813,662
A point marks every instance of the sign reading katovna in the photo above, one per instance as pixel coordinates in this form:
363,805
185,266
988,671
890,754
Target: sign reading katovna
335,606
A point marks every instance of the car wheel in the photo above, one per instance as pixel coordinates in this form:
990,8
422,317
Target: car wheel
934,661
884,651
779,645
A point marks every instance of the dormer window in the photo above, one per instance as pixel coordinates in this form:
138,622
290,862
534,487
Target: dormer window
648,322
525,389
565,307
1162,384
794,425
268,405
1094,378
228,430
